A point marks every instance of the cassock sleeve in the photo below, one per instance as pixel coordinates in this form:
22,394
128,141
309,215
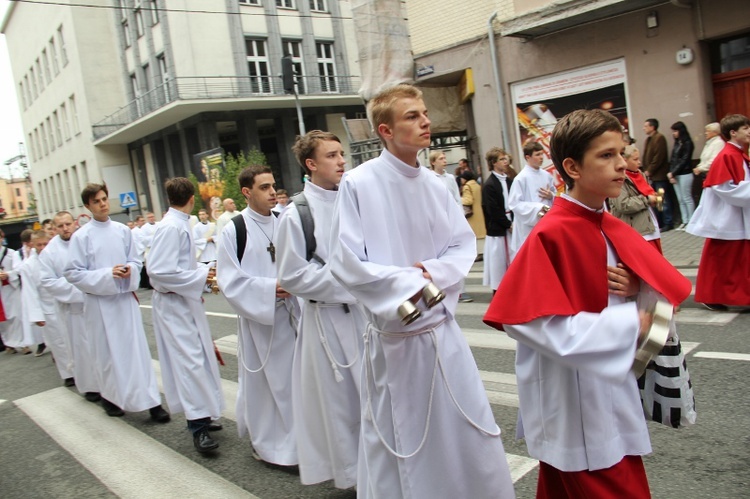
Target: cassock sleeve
307,280
30,300
57,286
15,264
380,288
91,281
524,212
734,194
251,297
603,344
164,264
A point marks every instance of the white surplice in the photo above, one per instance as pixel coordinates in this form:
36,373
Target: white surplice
266,339
11,329
327,359
40,306
189,369
223,219
124,372
69,300
32,334
205,250
427,426
526,204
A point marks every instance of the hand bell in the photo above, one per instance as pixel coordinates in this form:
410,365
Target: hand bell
408,312
432,294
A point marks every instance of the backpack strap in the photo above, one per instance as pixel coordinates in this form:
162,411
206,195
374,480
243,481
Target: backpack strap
241,230
308,226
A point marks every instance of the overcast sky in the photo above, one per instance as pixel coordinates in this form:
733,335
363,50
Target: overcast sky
11,132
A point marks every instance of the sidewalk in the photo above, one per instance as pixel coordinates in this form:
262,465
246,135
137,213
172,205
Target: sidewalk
681,248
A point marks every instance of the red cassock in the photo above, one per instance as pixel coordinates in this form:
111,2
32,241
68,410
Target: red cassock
724,269
562,270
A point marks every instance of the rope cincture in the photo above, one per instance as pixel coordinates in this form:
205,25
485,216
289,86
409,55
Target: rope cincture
335,364
438,364
240,350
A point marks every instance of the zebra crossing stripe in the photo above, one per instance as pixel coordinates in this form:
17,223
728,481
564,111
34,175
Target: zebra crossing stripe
127,461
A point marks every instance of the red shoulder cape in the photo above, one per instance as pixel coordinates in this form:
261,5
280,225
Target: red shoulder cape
562,267
728,165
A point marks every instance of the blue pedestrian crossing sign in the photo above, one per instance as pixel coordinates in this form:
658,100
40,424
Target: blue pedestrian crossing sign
127,199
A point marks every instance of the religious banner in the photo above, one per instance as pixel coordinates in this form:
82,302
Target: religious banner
209,169
538,102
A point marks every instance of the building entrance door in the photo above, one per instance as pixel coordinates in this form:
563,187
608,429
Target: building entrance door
732,93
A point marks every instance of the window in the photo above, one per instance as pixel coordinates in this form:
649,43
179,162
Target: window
61,43
68,190
20,203
51,135
294,48
250,2
139,21
84,173
45,64
326,66
22,93
285,4
318,6
40,79
126,33
147,77
18,192
32,147
39,143
154,12
28,89
58,131
32,77
53,56
43,134
257,62
74,179
65,122
164,72
60,189
74,114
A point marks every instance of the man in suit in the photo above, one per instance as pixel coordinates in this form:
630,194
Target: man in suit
656,166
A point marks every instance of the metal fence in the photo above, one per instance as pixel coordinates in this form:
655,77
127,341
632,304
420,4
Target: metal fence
220,87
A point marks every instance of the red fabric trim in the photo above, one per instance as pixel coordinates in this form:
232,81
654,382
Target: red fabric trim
728,165
626,479
562,267
640,183
724,273
656,243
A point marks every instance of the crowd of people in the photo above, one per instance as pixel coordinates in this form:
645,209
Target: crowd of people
350,366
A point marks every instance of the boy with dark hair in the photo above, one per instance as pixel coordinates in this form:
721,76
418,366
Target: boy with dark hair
723,217
530,196
327,363
103,264
189,368
427,429
580,409
248,278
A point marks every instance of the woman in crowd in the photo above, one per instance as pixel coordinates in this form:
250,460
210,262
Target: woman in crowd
681,171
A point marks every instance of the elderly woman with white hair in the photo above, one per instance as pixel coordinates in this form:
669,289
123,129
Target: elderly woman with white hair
714,144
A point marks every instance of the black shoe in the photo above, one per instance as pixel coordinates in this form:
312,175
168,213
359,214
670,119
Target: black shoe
203,441
69,382
716,307
40,350
159,415
92,396
111,409
215,426
667,228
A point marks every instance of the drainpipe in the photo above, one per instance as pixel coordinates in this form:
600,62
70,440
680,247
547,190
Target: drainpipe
498,84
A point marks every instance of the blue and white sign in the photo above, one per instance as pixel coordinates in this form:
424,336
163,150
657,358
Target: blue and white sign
127,199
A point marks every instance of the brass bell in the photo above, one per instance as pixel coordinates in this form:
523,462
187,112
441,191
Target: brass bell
432,294
408,312
660,199
214,285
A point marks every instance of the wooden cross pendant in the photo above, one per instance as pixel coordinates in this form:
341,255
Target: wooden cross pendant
272,249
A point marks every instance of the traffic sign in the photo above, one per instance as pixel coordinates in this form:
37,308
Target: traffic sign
127,199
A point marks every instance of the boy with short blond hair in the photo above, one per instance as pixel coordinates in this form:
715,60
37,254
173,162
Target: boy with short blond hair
565,300
427,427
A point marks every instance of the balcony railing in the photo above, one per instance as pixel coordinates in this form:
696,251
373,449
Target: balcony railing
220,87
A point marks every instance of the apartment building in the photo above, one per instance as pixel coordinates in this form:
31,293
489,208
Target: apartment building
678,60
16,199
138,91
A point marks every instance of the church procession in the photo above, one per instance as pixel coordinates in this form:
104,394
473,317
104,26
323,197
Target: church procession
357,341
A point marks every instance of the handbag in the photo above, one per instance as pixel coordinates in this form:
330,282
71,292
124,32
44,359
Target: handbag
666,391
468,211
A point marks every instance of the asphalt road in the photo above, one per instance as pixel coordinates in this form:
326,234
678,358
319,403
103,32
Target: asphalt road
54,444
